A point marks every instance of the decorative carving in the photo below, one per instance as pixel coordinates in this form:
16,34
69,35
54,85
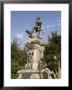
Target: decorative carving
29,60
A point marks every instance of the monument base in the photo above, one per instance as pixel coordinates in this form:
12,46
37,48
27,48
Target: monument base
28,74
36,74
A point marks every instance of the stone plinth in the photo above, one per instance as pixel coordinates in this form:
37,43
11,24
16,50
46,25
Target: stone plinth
34,49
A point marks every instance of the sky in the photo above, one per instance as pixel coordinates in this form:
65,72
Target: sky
25,20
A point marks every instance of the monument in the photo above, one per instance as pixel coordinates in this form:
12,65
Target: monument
34,48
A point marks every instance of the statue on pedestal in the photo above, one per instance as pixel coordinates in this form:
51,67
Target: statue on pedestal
34,48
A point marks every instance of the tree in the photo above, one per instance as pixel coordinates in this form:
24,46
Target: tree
52,53
18,59
14,50
14,68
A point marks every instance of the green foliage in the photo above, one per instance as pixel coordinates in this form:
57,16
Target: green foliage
22,58
18,59
14,68
52,53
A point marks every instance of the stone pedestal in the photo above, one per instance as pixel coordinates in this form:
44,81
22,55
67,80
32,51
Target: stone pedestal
34,49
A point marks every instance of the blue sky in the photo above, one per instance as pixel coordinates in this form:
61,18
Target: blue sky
25,20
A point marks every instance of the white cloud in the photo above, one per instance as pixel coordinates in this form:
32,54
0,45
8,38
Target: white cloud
53,25
19,35
56,24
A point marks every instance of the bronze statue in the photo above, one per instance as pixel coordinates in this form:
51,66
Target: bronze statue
36,28
30,33
38,24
